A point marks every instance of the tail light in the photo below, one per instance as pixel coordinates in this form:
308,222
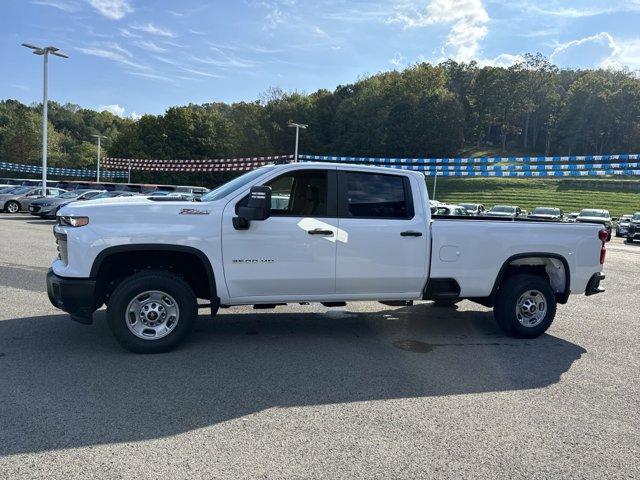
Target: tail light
602,235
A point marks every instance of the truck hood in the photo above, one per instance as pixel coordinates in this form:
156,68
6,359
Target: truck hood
135,209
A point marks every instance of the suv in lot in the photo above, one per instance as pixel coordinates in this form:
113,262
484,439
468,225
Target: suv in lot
623,225
337,233
547,213
473,208
633,233
505,211
599,216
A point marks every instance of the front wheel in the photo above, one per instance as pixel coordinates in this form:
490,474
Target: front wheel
525,306
152,312
12,207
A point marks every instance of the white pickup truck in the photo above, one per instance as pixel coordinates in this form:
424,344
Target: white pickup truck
309,232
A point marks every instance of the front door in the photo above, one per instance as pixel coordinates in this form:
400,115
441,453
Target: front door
293,252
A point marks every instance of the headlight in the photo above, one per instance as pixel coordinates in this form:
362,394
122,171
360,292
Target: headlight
68,221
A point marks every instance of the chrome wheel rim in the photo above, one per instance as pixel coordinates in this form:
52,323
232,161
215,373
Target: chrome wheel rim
152,315
13,208
531,308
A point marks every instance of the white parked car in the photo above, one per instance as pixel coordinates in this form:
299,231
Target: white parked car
335,233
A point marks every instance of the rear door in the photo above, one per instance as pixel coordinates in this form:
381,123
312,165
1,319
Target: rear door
383,247
293,252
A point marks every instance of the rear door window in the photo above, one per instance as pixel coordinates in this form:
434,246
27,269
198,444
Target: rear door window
373,195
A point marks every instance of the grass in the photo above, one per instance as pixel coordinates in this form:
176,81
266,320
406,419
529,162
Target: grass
572,195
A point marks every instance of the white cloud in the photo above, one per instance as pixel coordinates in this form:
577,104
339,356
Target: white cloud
112,51
150,46
113,108
599,50
589,51
112,9
227,61
502,60
128,33
154,30
468,19
200,72
119,111
397,62
65,6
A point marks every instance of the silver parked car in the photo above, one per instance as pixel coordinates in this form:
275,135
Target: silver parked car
19,199
47,207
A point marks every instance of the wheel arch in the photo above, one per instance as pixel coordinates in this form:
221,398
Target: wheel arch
515,261
103,258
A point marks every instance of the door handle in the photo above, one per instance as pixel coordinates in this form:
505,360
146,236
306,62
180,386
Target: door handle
410,233
319,231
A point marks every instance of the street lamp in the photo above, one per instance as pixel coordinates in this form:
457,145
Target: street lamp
99,137
45,51
297,126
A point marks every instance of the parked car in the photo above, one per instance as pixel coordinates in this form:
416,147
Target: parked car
451,210
18,200
511,211
547,213
372,239
571,217
473,208
594,215
8,189
633,232
48,207
623,225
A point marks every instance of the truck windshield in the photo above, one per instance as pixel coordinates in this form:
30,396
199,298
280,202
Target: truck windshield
636,216
235,184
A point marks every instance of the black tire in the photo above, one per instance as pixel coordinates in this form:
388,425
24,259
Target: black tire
446,302
136,285
609,237
504,310
11,203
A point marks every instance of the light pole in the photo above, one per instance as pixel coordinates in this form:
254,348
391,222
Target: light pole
99,137
45,51
297,126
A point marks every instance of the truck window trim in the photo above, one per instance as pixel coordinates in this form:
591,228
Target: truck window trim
343,204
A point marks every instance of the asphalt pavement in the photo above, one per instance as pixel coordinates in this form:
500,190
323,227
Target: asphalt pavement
366,391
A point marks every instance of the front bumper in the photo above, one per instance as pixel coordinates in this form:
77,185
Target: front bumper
593,286
75,296
41,211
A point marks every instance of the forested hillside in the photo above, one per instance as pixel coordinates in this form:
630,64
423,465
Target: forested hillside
425,110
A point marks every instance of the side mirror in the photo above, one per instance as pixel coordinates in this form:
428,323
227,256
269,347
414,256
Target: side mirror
258,208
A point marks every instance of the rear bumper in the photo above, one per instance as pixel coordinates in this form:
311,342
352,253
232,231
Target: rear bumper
75,296
593,286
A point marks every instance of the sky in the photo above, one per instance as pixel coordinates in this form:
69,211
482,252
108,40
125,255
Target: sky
140,56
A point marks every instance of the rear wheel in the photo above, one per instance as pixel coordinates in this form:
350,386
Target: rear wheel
525,306
12,207
152,312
